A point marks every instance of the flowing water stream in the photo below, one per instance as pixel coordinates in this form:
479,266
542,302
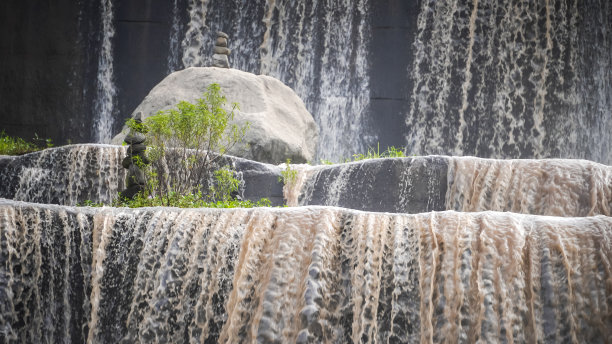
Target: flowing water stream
106,91
303,275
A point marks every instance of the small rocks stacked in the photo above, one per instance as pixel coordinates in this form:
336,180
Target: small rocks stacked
135,162
221,51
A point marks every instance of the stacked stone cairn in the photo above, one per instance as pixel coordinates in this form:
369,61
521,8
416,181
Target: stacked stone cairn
221,51
135,162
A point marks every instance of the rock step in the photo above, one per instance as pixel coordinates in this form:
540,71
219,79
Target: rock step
72,174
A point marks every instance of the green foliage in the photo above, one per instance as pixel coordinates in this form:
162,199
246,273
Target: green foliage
196,200
185,147
42,142
391,152
225,184
89,203
288,175
185,201
18,146
136,125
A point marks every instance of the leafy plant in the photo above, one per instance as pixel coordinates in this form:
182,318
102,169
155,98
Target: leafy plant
89,203
225,184
390,152
188,201
288,175
18,146
185,147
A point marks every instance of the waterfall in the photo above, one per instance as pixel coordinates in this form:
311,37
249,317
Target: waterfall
65,175
175,30
545,187
300,275
512,79
556,187
105,95
318,48
193,42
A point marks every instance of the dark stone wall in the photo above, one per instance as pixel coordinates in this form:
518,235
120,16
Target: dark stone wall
141,47
49,54
47,75
393,29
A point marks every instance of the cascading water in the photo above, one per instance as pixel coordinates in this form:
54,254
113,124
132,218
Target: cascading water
173,53
318,275
104,103
65,175
553,187
193,42
73,174
543,187
318,48
513,79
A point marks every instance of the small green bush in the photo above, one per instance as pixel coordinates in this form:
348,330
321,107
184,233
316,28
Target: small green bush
185,149
18,146
391,152
288,175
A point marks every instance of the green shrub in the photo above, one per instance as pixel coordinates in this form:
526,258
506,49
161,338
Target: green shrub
18,146
225,184
185,148
185,201
288,175
391,152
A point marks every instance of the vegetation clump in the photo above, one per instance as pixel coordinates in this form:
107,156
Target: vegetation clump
180,201
390,152
18,146
185,149
288,175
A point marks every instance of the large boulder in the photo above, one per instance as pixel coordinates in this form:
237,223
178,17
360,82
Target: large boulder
280,126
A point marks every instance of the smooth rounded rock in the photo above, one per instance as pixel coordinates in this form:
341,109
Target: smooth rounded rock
126,162
133,137
280,125
222,50
136,148
135,176
131,191
221,42
222,34
220,61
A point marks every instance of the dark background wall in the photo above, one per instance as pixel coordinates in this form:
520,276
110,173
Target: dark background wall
141,50
393,29
49,61
47,68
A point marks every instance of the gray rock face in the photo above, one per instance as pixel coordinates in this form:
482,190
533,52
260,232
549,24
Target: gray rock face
280,125
222,50
70,175
391,185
